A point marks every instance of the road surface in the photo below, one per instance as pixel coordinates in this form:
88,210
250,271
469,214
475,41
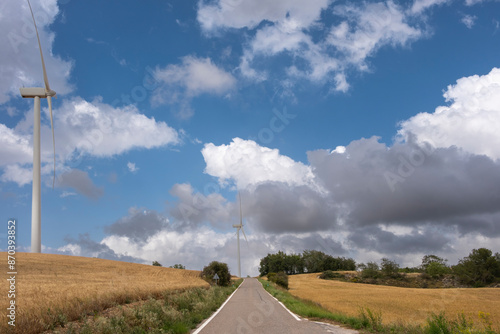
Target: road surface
252,310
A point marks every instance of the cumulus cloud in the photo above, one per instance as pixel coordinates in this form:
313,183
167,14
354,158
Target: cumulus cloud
20,60
16,173
101,130
14,147
85,246
194,77
81,128
471,120
193,208
81,182
248,164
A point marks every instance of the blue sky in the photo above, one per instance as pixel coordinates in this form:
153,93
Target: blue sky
361,129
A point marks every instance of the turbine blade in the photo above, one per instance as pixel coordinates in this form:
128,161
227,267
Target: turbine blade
242,230
49,100
45,79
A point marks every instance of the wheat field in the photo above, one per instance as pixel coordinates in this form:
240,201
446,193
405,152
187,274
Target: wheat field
52,287
397,305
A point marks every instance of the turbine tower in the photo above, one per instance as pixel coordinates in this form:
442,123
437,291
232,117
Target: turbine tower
37,93
238,228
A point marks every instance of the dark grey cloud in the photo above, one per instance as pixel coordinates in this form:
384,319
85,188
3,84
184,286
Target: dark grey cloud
91,248
193,208
408,184
422,240
139,225
81,182
277,207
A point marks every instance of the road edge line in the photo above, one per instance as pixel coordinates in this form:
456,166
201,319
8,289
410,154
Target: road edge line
216,312
293,314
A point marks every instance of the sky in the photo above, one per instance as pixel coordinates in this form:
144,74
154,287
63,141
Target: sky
360,129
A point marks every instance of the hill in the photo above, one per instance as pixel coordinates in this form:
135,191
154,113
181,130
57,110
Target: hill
51,287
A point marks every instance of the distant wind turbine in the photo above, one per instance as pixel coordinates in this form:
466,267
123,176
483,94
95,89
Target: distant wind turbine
240,227
37,93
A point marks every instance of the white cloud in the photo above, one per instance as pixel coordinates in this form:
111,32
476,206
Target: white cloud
289,27
420,5
17,174
81,128
14,147
469,20
195,76
101,130
20,63
132,167
250,13
368,28
470,122
248,164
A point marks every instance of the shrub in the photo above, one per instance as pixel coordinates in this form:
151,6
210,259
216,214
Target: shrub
218,268
370,270
157,264
327,275
390,268
280,278
178,266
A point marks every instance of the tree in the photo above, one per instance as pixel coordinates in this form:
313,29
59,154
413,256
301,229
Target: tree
218,268
434,266
479,268
157,264
178,266
389,268
369,270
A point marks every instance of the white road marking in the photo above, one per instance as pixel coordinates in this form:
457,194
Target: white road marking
293,314
216,312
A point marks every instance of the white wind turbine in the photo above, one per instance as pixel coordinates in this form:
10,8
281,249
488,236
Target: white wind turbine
240,227
37,93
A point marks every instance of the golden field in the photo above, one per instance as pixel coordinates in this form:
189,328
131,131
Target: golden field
397,305
51,287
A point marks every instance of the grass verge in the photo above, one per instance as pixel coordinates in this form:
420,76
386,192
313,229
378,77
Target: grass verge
175,312
372,320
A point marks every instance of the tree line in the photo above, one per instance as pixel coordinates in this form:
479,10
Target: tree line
310,261
480,268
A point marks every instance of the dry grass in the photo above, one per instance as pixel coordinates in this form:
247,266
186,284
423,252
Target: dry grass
56,288
397,305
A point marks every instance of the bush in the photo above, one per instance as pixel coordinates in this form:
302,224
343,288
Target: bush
178,266
330,275
280,279
218,268
390,268
157,264
370,270
327,275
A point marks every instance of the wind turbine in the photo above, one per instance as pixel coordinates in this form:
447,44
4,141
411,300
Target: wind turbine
37,93
240,227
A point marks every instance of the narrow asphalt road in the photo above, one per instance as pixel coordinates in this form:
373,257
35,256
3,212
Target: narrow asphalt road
252,310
